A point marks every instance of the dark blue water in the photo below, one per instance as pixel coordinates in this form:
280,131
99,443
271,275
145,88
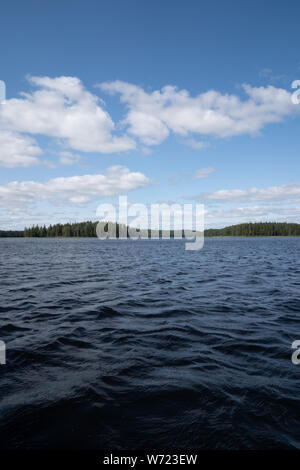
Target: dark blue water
138,344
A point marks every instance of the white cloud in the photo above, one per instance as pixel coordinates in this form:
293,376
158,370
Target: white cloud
255,213
68,158
275,203
286,193
203,172
195,144
247,212
149,129
152,116
18,150
17,219
63,109
74,189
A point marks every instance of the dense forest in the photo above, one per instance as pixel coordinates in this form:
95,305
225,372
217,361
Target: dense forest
11,233
83,229
258,229
88,229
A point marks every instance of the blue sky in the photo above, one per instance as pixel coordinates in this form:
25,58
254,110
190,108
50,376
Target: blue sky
164,101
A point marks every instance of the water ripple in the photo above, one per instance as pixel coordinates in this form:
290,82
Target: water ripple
124,344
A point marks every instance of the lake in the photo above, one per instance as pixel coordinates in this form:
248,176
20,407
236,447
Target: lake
140,344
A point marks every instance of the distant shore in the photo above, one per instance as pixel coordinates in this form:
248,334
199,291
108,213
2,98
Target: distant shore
88,230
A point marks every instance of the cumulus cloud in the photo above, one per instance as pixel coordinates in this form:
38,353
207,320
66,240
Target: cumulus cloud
74,189
152,116
63,109
18,150
203,172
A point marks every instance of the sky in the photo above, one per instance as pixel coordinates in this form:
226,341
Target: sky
175,102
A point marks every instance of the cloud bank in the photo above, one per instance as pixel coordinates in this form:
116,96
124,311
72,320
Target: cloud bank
152,116
285,193
63,109
231,206
74,189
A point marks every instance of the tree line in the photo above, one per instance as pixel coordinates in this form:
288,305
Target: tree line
88,229
82,229
257,229
11,233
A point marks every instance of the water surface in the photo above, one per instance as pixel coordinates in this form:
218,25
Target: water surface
138,344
